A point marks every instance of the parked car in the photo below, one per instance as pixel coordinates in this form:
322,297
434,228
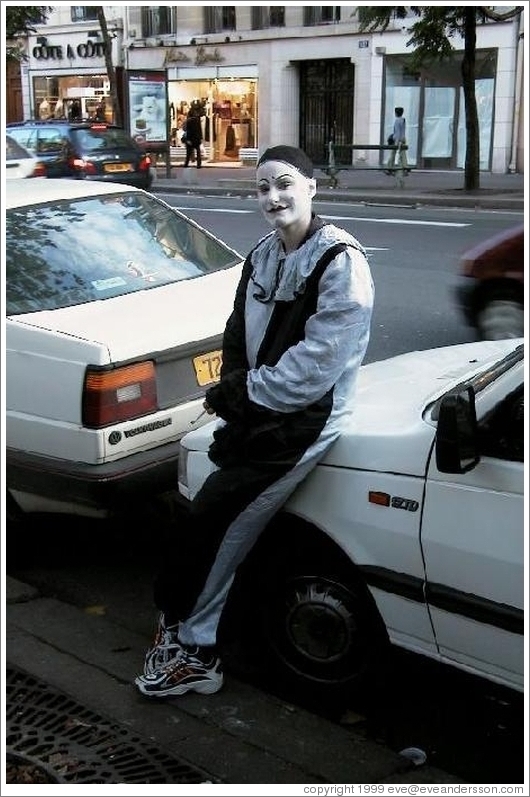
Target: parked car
20,162
116,304
88,150
409,532
490,288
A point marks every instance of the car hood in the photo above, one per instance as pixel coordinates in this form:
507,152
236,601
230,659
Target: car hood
147,321
390,405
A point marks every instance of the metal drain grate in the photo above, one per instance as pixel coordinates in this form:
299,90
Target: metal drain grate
46,727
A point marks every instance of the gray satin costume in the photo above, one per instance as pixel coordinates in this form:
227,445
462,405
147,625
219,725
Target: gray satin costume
291,353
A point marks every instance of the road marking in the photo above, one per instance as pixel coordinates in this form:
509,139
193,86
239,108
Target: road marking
396,221
210,210
186,209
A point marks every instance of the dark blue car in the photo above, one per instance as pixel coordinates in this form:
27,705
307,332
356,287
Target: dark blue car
87,150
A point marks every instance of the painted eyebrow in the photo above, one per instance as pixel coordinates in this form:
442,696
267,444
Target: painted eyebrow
278,177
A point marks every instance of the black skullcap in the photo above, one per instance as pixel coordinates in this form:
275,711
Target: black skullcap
292,155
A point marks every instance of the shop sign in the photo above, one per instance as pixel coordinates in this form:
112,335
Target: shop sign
55,52
203,56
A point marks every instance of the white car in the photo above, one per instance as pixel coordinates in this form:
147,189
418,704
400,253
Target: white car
20,162
116,304
410,531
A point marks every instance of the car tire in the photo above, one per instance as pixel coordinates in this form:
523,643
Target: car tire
501,316
316,625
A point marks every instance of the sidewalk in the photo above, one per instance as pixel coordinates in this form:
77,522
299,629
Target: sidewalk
81,666
368,186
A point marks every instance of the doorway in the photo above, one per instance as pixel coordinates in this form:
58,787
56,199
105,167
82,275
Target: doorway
326,108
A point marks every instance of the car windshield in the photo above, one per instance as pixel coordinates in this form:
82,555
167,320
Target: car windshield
83,250
99,137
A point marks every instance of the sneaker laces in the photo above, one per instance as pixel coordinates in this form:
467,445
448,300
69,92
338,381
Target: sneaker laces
166,647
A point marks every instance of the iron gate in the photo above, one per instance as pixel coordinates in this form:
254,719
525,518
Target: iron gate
326,108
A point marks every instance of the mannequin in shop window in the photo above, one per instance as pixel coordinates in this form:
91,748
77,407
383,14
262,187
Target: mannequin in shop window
59,112
192,138
45,111
230,145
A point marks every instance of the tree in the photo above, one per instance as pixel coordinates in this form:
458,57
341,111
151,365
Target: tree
431,35
111,72
20,22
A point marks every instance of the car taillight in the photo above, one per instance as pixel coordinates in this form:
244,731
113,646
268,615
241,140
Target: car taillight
118,395
82,165
40,170
145,163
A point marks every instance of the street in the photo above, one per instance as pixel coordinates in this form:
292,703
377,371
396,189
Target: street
469,728
413,254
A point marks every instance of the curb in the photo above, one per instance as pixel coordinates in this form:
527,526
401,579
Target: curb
240,735
400,197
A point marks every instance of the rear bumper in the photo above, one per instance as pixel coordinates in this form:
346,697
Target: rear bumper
111,487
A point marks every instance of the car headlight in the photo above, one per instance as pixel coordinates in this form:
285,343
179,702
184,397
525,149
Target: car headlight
183,466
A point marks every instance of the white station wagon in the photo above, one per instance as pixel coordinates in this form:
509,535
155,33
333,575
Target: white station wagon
410,531
116,304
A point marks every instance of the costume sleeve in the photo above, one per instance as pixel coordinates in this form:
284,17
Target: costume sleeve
335,339
229,398
234,341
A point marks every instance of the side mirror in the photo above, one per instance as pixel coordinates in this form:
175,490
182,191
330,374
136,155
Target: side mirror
457,449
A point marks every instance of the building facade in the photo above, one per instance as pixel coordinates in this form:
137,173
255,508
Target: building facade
261,75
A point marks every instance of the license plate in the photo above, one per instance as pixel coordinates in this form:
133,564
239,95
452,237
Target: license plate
118,167
208,367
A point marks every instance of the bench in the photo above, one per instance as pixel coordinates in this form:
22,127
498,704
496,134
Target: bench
332,168
248,156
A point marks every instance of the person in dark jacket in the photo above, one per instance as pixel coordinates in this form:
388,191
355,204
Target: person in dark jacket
193,138
292,349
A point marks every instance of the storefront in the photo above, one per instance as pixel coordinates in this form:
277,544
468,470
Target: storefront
228,101
67,79
433,100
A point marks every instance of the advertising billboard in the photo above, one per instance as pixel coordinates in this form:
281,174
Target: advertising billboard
148,118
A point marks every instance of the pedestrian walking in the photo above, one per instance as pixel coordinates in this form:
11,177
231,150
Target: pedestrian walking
292,349
400,139
192,138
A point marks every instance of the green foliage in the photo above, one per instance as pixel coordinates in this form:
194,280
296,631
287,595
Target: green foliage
432,28
21,21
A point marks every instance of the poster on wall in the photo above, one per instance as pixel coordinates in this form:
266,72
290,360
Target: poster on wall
148,107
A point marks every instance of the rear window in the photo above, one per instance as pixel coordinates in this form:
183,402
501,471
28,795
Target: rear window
15,151
101,138
51,139
26,136
86,250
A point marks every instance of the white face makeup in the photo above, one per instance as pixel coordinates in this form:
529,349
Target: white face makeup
285,198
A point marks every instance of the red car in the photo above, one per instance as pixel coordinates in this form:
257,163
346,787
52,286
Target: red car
490,289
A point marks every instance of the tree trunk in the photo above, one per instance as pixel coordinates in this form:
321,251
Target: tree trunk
472,163
111,72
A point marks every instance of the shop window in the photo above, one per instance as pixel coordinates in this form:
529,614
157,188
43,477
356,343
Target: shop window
317,15
83,13
156,21
219,18
267,17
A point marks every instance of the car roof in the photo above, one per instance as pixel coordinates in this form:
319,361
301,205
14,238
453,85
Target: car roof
17,194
